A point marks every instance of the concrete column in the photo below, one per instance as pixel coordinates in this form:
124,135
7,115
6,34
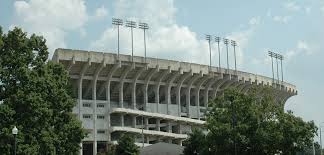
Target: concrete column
158,124
107,84
146,83
146,122
178,90
179,129
94,101
169,127
122,120
81,150
134,121
200,83
138,73
121,86
147,139
84,69
168,89
208,86
188,95
157,87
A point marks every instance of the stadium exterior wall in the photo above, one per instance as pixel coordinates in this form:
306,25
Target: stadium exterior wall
160,99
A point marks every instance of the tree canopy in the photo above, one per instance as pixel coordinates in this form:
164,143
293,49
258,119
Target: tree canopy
35,97
252,124
126,146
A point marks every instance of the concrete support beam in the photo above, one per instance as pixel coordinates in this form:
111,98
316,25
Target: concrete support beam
121,85
147,79
197,92
138,73
178,90
168,89
157,87
188,95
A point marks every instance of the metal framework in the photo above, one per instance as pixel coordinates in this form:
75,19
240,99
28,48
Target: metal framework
144,27
217,39
208,38
233,43
131,25
226,42
118,22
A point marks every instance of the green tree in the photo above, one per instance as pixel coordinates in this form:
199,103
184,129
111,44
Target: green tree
126,146
35,97
195,144
254,124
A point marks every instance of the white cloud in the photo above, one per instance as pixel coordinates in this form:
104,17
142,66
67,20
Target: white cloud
101,12
308,10
166,39
302,47
51,18
282,19
292,6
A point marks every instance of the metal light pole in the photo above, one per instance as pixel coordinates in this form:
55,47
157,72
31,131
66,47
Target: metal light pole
217,39
15,132
144,27
117,22
271,54
208,38
226,41
131,25
280,57
276,56
233,43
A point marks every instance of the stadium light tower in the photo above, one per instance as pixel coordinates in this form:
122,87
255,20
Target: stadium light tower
117,22
280,57
271,54
208,38
131,25
277,56
226,41
144,27
233,43
217,39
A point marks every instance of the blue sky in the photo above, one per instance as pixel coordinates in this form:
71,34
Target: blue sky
293,28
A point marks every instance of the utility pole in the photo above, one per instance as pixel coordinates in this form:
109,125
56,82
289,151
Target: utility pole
217,39
117,22
131,25
144,27
233,43
226,41
208,38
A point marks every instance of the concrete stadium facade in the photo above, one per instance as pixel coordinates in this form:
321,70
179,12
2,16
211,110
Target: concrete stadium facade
160,99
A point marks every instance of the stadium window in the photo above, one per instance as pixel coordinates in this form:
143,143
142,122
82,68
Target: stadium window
100,117
87,116
86,105
101,131
100,105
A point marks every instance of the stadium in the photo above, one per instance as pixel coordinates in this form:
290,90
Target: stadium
154,99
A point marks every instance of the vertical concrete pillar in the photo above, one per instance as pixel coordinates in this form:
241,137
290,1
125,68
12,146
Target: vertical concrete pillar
108,107
178,90
134,121
188,93
146,83
168,89
84,69
146,122
94,101
121,85
122,120
157,87
138,73
158,124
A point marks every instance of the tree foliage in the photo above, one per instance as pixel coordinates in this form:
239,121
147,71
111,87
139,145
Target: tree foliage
126,146
35,97
253,124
